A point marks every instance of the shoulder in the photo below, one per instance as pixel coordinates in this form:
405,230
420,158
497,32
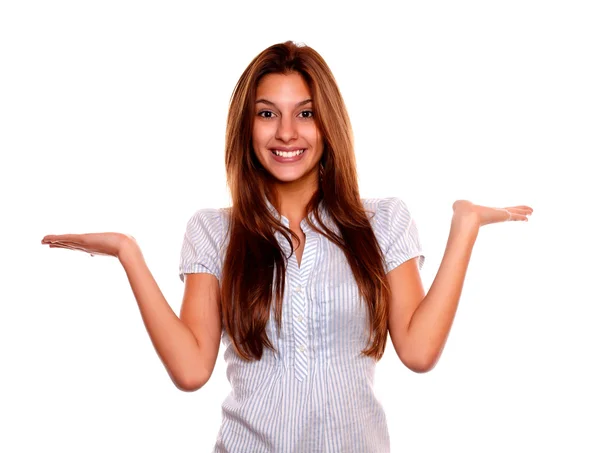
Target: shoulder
209,215
396,231
384,209
388,216
211,222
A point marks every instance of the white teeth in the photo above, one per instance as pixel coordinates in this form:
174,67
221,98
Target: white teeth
289,153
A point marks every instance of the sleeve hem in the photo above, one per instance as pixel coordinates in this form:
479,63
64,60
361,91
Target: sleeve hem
196,269
394,263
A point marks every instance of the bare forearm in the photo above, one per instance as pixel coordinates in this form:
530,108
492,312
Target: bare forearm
432,320
173,341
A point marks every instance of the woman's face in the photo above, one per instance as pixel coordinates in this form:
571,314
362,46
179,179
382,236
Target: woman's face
285,137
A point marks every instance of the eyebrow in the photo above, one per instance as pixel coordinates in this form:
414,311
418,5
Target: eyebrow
264,101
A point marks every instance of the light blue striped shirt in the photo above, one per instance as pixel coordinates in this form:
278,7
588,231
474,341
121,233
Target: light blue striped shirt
315,394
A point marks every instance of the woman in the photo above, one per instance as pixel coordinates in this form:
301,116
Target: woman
301,279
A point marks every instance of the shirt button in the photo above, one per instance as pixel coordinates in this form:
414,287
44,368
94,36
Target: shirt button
301,348
298,289
300,318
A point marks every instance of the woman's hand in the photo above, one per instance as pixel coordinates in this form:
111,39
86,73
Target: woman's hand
109,244
485,215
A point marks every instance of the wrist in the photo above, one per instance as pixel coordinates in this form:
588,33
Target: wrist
129,250
467,223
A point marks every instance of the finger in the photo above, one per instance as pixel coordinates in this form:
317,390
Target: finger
520,217
518,212
71,246
521,208
74,246
62,237
63,246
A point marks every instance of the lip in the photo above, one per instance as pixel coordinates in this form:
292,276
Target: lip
293,148
287,160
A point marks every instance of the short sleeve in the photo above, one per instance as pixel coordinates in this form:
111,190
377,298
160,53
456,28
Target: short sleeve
401,240
202,241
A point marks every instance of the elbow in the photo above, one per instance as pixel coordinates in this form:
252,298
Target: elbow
416,354
190,383
420,363
421,368
187,387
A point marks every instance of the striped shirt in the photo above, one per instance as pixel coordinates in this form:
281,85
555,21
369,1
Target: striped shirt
315,393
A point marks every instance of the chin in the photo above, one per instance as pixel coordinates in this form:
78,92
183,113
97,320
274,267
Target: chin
287,177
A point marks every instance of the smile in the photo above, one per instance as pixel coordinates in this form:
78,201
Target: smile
287,154
287,157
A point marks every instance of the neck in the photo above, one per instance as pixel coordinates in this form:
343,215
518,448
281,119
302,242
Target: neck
293,199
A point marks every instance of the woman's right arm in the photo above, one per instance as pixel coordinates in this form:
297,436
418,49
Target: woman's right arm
187,346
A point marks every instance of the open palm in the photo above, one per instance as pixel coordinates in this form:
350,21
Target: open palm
109,244
486,215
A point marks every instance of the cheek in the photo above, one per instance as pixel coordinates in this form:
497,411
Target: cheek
318,141
260,137
311,134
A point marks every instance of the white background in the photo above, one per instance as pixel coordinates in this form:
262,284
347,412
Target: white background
112,118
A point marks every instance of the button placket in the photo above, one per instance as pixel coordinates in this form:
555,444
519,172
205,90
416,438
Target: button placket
302,351
298,290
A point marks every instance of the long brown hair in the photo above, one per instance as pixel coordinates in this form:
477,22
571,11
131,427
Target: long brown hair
254,266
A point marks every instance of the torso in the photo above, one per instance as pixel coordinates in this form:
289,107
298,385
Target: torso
296,229
316,379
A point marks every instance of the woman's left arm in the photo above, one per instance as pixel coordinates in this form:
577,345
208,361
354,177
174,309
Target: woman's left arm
419,324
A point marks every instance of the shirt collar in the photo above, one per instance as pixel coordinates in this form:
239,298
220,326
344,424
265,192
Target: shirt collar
303,225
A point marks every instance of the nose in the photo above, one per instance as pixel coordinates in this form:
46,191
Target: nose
286,129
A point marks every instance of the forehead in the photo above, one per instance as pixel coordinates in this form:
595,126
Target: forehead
283,87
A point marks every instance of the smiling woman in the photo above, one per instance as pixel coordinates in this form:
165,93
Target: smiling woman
285,137
300,279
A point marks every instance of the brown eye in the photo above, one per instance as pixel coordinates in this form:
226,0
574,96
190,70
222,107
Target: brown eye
266,114
306,114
